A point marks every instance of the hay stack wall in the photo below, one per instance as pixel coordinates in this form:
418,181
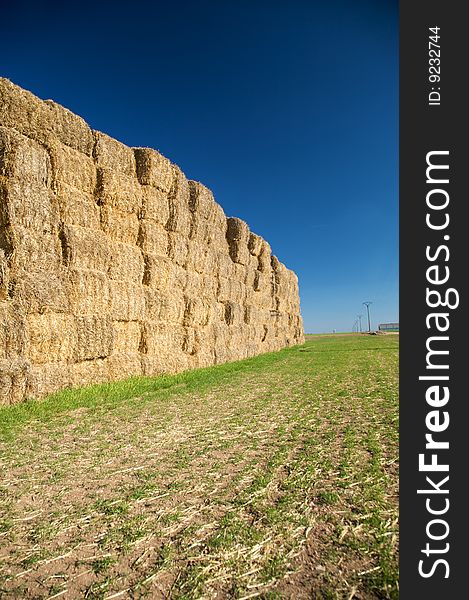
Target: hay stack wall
113,264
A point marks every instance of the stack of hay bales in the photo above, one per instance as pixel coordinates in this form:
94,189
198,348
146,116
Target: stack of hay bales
113,264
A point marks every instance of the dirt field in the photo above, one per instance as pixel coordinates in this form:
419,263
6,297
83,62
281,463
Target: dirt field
274,477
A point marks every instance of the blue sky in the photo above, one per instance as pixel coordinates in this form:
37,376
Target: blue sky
288,111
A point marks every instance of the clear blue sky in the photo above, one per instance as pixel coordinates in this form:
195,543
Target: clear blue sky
288,111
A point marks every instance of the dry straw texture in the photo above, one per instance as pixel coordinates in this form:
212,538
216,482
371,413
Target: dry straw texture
113,264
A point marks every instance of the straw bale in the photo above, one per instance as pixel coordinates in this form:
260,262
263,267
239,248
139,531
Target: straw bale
122,366
118,190
42,120
264,258
12,330
37,292
180,215
127,301
35,252
72,168
164,306
178,278
261,280
155,205
164,340
112,154
197,312
178,248
230,289
224,265
119,225
90,293
154,169
52,337
153,238
126,262
209,286
127,336
89,372
201,200
237,235
195,283
201,258
255,244
77,208
234,313
165,363
69,128
158,271
23,158
13,377
95,337
4,270
84,248
28,204
47,378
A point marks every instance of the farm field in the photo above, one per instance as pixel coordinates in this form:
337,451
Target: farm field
272,477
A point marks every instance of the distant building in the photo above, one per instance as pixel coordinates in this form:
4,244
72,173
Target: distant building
388,327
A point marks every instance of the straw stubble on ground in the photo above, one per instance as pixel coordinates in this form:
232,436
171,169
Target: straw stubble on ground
273,477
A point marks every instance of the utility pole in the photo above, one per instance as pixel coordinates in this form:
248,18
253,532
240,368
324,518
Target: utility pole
360,321
367,304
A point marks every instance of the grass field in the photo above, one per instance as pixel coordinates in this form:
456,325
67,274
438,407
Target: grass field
273,477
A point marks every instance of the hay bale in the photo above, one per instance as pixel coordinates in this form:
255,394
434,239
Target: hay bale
77,208
154,169
153,238
37,292
197,312
201,200
95,337
155,205
127,301
201,258
224,265
13,378
234,313
123,366
230,290
127,337
89,293
89,372
112,154
118,190
209,286
264,258
23,202
22,158
119,225
180,216
35,252
126,262
237,235
157,271
255,244
4,272
52,337
84,248
164,306
162,344
42,121
72,168
47,378
178,248
12,331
